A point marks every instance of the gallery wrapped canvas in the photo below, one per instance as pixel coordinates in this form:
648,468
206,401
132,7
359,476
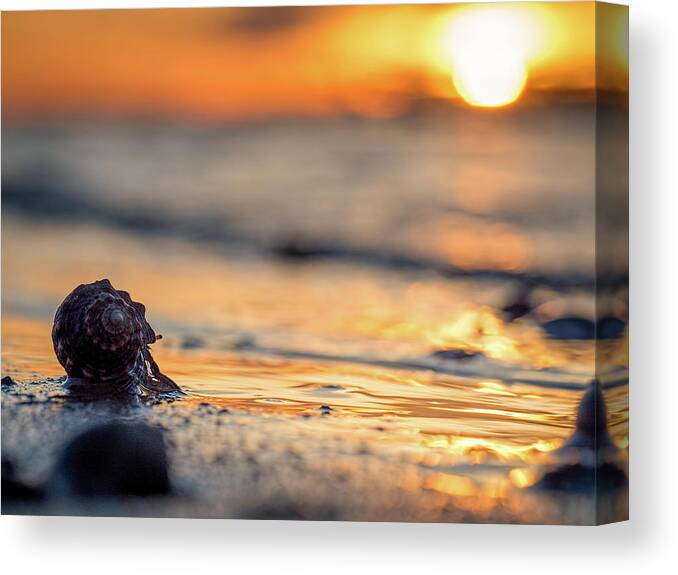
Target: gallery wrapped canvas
357,263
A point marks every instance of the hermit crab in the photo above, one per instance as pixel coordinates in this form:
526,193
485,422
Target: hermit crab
101,338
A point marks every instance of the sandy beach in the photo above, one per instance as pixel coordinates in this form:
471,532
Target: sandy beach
315,465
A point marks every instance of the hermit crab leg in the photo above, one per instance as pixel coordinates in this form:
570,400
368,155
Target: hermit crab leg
157,381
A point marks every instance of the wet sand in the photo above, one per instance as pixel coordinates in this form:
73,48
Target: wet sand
232,463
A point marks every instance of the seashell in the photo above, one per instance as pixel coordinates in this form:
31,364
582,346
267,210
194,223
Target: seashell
101,338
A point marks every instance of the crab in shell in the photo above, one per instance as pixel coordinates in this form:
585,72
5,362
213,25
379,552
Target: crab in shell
101,338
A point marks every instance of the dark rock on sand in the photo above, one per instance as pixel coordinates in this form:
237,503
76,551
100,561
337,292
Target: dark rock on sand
113,460
7,382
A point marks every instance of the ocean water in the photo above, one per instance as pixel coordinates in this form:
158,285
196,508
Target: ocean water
341,275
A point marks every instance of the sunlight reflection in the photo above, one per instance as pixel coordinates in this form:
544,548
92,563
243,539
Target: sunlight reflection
478,449
451,484
523,477
481,329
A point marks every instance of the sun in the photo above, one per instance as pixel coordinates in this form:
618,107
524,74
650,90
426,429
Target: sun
488,51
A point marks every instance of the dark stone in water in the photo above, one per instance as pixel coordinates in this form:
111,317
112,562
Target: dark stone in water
579,328
516,310
570,328
580,478
13,489
520,304
325,409
455,354
113,460
610,327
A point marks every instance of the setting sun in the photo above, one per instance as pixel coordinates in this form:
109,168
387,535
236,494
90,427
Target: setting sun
488,49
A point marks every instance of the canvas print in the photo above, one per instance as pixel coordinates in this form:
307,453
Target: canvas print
352,263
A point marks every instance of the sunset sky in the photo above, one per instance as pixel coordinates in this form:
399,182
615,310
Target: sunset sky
234,63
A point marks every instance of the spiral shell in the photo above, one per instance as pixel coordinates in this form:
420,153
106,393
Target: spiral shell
101,338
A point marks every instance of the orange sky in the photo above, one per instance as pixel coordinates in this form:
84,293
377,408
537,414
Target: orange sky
242,63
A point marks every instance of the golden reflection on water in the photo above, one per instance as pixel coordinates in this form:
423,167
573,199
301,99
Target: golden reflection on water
481,329
318,309
451,484
457,418
503,428
326,308
523,477
457,454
